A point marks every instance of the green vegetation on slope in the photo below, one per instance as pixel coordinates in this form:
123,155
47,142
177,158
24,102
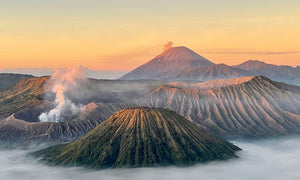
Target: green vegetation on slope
8,80
141,137
24,95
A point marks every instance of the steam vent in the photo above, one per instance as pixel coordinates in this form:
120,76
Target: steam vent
141,137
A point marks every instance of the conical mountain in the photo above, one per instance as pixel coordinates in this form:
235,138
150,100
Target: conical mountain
141,137
168,64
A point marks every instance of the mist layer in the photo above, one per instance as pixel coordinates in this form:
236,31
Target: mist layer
266,159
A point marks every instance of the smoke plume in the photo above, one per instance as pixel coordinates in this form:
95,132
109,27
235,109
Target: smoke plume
168,45
63,80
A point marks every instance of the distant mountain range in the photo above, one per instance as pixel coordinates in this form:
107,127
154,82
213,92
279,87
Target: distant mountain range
141,137
181,63
285,74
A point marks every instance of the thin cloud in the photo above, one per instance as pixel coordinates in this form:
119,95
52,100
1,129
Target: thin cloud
288,52
234,51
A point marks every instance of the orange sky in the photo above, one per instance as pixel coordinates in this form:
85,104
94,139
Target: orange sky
121,35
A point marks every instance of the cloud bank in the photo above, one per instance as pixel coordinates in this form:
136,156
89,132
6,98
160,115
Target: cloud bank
267,159
245,51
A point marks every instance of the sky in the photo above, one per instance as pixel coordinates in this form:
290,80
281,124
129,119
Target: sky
119,35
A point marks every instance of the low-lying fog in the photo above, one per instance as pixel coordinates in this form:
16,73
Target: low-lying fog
266,159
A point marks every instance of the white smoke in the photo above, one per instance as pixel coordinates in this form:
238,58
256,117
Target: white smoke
63,80
168,45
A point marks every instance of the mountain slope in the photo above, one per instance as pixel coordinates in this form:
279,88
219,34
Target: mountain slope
251,108
141,137
24,132
243,107
286,74
36,92
255,108
168,64
8,79
182,64
219,71
27,93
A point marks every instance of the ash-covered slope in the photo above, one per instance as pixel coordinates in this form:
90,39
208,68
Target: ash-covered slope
243,107
168,64
141,137
286,74
254,107
25,132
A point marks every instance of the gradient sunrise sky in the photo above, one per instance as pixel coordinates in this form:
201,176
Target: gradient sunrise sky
120,35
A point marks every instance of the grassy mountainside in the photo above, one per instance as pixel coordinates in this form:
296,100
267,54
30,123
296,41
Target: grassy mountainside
24,95
141,137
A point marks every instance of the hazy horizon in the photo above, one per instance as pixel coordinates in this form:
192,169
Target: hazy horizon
49,71
97,74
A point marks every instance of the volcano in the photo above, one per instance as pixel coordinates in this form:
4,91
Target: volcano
183,64
168,64
140,137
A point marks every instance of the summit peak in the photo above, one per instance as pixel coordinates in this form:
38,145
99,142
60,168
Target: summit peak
168,64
